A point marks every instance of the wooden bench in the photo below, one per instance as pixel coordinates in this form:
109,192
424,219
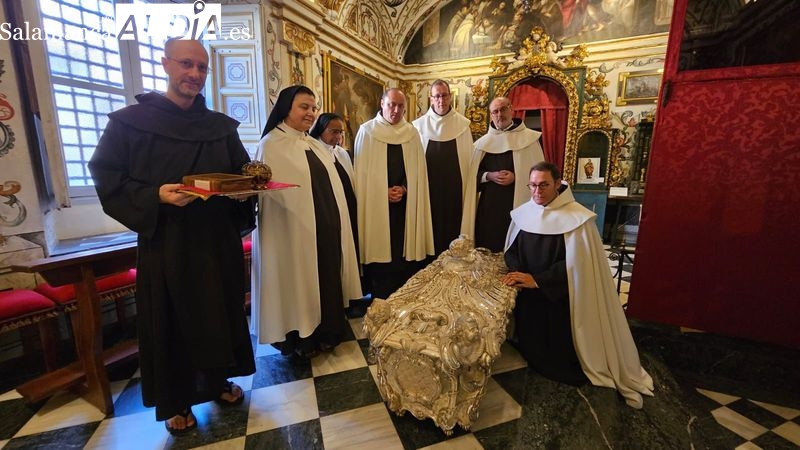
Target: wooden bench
20,308
79,283
87,376
111,289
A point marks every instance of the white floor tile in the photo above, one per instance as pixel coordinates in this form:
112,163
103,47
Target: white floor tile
783,411
509,360
748,446
139,430
738,423
280,405
265,350
230,444
10,395
346,356
375,429
245,382
465,442
789,431
496,407
66,409
357,325
719,397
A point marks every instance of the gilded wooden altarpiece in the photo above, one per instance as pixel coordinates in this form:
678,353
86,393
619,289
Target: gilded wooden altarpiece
589,107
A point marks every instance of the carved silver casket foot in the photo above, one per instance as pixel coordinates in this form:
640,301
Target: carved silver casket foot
435,339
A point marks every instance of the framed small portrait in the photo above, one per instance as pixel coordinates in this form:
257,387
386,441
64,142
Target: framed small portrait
352,94
589,171
638,88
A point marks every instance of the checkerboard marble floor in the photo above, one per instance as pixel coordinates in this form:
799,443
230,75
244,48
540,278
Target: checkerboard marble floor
332,402
760,424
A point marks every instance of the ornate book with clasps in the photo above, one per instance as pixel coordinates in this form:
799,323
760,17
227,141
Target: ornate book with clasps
219,182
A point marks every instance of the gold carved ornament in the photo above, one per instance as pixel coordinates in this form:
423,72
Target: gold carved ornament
335,5
301,40
616,174
570,88
538,57
596,106
477,112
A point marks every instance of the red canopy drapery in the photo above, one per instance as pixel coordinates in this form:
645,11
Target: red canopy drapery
549,98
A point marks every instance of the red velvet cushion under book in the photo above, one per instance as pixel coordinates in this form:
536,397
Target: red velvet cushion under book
20,302
66,293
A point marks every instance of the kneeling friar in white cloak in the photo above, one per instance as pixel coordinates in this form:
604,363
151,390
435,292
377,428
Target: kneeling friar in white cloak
570,325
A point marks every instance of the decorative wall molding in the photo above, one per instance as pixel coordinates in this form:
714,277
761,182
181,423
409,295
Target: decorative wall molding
298,39
334,5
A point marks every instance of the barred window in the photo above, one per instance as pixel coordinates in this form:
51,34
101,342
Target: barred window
93,74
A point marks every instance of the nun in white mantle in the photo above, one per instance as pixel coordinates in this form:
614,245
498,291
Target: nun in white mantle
304,267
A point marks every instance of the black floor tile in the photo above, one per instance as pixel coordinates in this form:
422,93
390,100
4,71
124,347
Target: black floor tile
500,437
301,436
772,441
70,437
129,400
215,423
415,433
514,382
15,414
756,413
345,390
277,369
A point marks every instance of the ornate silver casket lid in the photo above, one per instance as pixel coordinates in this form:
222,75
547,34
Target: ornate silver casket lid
435,339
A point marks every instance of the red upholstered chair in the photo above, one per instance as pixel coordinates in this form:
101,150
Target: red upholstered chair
112,288
20,308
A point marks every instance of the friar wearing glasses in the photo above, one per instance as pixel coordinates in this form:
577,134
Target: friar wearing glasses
192,329
394,215
494,189
447,141
570,325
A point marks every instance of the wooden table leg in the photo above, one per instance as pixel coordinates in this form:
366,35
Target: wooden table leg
97,390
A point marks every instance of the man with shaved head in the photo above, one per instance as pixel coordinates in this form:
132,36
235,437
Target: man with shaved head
192,330
394,215
498,181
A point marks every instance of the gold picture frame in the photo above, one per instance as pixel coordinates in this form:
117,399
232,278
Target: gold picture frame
638,88
351,93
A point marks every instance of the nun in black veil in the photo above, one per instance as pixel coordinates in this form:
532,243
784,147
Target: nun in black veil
304,267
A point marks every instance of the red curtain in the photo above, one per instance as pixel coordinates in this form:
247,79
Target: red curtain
549,98
717,246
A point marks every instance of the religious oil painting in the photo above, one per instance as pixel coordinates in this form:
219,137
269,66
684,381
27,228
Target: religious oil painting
589,171
638,87
352,94
470,28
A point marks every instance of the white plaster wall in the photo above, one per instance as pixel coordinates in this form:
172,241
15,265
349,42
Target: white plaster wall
15,161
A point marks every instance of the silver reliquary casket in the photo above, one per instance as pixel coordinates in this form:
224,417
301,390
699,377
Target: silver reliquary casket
435,339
